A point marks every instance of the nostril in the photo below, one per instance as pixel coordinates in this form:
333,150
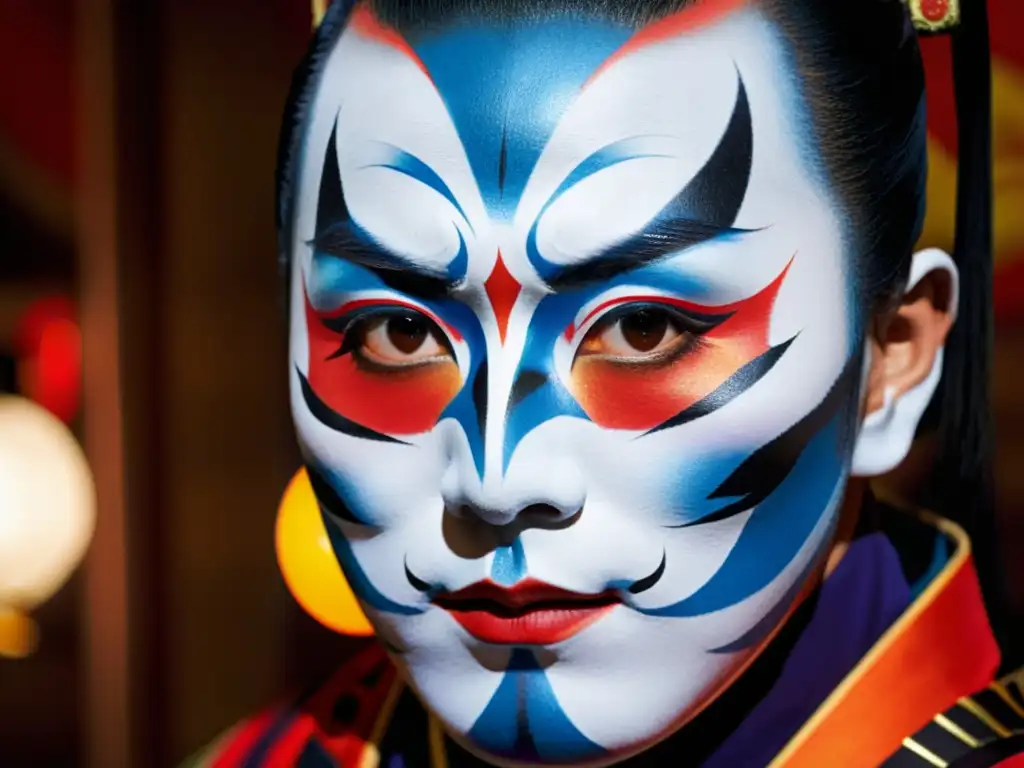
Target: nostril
541,514
548,516
538,515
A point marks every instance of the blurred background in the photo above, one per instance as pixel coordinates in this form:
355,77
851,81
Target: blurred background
137,150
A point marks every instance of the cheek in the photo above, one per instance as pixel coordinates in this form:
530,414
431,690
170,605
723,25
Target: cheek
400,403
617,396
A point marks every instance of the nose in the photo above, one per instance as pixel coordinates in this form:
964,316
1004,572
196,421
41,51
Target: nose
537,491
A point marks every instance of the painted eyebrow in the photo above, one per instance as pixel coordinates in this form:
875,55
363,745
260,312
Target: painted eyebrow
400,161
338,235
705,209
397,272
659,241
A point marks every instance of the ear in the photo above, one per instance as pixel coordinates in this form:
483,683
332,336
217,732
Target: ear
903,363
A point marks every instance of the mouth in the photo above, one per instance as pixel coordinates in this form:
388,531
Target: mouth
529,613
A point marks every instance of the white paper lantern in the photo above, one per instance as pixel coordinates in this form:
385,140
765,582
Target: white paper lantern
47,514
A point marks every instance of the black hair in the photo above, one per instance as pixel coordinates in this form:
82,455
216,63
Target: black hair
863,82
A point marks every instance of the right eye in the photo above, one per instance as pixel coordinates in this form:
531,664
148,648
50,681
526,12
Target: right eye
644,334
397,340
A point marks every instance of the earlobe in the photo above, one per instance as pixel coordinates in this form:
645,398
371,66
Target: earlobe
887,432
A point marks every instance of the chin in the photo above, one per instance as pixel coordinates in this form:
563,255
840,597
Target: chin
582,701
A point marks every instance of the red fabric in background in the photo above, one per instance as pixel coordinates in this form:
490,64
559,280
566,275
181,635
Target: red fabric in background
36,110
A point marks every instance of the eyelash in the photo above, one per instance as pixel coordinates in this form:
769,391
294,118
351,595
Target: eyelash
693,323
691,327
347,325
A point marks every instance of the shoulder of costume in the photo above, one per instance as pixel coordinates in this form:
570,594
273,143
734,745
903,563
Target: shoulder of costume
937,655
339,723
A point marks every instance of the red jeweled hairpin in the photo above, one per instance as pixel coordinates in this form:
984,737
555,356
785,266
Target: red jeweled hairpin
934,15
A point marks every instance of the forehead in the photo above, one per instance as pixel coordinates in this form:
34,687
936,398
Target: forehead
487,122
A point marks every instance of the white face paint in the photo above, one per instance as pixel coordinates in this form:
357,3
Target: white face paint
556,485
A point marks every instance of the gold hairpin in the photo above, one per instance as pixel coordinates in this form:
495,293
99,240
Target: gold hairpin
319,9
934,15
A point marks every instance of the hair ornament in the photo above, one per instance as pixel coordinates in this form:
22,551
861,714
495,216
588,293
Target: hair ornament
932,16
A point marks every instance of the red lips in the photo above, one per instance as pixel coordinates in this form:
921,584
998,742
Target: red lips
529,613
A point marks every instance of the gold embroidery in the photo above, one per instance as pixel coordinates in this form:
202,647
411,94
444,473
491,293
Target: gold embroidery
976,709
948,725
1003,694
924,753
438,755
319,9
371,751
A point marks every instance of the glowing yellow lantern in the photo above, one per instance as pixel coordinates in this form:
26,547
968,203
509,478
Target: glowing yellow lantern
47,515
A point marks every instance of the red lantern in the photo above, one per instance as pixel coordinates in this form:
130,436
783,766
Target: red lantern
48,347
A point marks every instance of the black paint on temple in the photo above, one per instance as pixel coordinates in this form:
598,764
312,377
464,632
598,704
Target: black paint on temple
331,207
328,497
642,585
337,234
715,194
729,390
480,398
526,383
758,477
334,420
705,209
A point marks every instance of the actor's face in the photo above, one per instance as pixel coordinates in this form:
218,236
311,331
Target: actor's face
575,363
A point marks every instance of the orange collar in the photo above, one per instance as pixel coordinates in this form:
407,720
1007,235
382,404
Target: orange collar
939,650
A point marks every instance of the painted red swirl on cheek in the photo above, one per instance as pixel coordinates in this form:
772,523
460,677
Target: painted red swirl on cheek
618,395
397,402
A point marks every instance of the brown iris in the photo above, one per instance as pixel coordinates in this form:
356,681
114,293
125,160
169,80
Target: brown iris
642,334
407,332
644,329
398,340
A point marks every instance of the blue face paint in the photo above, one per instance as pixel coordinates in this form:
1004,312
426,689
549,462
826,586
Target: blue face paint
361,584
524,77
509,564
776,530
400,161
524,720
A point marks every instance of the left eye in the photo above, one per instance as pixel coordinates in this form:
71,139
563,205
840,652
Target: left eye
398,340
641,334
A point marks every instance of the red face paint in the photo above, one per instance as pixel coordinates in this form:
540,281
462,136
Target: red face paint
502,291
620,395
366,23
687,20
400,401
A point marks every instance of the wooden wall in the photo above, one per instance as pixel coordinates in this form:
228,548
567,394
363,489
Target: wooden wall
181,102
